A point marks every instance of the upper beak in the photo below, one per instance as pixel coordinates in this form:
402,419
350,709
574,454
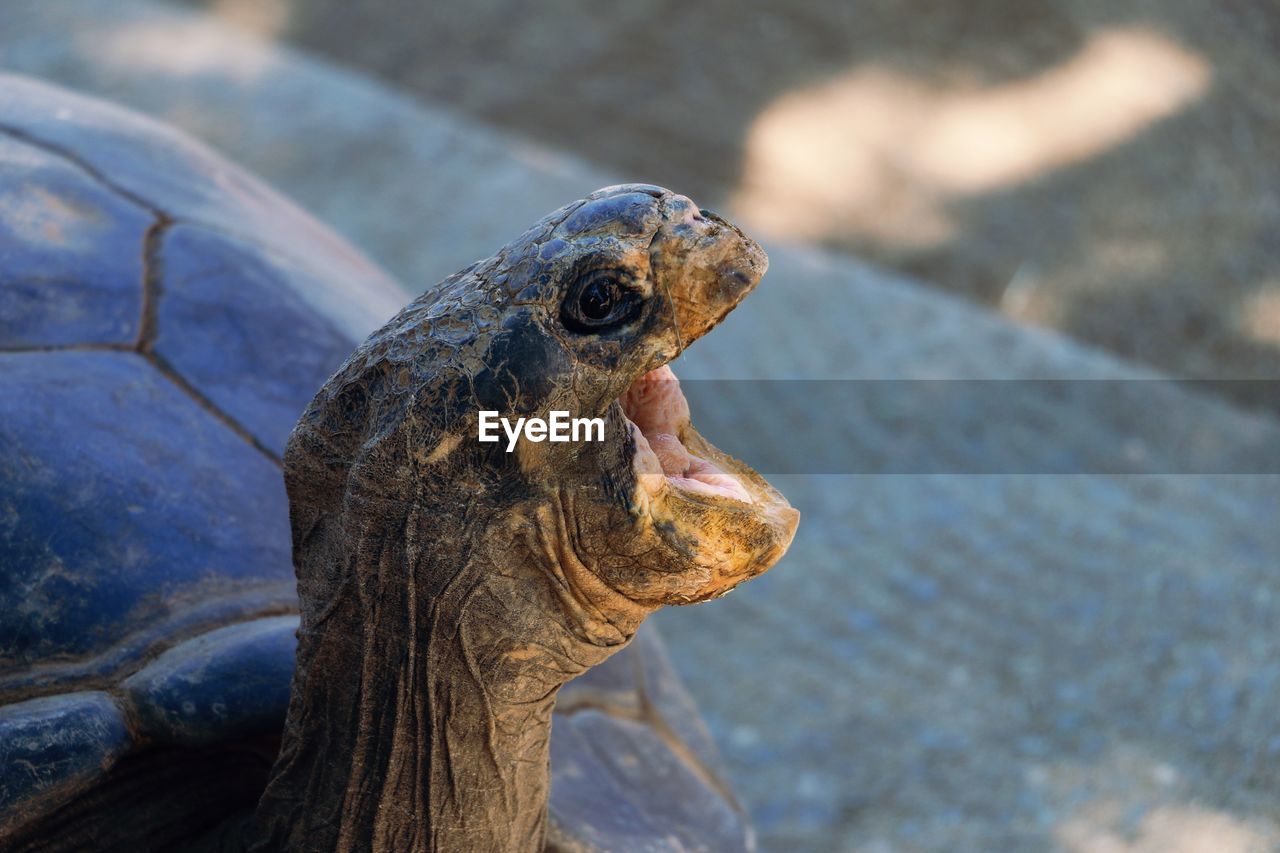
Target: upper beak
706,264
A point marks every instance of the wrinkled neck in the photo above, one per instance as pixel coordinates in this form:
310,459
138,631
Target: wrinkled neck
421,715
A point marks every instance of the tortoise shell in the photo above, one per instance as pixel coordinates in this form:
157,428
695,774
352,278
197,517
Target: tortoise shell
164,319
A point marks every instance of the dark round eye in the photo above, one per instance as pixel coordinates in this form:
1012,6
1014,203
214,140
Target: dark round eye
599,300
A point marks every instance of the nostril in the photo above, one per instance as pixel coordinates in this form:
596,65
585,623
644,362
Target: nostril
732,280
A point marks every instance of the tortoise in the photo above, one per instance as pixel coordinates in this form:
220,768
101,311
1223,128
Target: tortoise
197,652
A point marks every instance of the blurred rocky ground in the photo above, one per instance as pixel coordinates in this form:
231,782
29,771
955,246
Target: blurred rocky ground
1106,169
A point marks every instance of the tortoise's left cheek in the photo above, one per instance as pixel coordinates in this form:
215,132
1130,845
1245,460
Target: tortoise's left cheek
521,368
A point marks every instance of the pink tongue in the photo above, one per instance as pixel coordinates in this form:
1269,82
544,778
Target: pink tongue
671,454
690,472
713,481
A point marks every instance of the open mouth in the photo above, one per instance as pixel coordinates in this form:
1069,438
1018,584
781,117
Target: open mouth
666,455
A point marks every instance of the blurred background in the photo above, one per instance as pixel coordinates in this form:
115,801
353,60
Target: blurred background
1107,169
1041,631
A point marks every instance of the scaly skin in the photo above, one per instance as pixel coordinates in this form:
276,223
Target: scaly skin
448,588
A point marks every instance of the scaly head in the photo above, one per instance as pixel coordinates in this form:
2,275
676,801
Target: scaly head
580,314
591,305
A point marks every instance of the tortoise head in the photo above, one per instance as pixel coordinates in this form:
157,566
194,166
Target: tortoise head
579,316
594,302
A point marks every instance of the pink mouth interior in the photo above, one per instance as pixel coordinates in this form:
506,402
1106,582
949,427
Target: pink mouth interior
656,408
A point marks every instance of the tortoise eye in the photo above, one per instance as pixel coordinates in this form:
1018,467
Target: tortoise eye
599,300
